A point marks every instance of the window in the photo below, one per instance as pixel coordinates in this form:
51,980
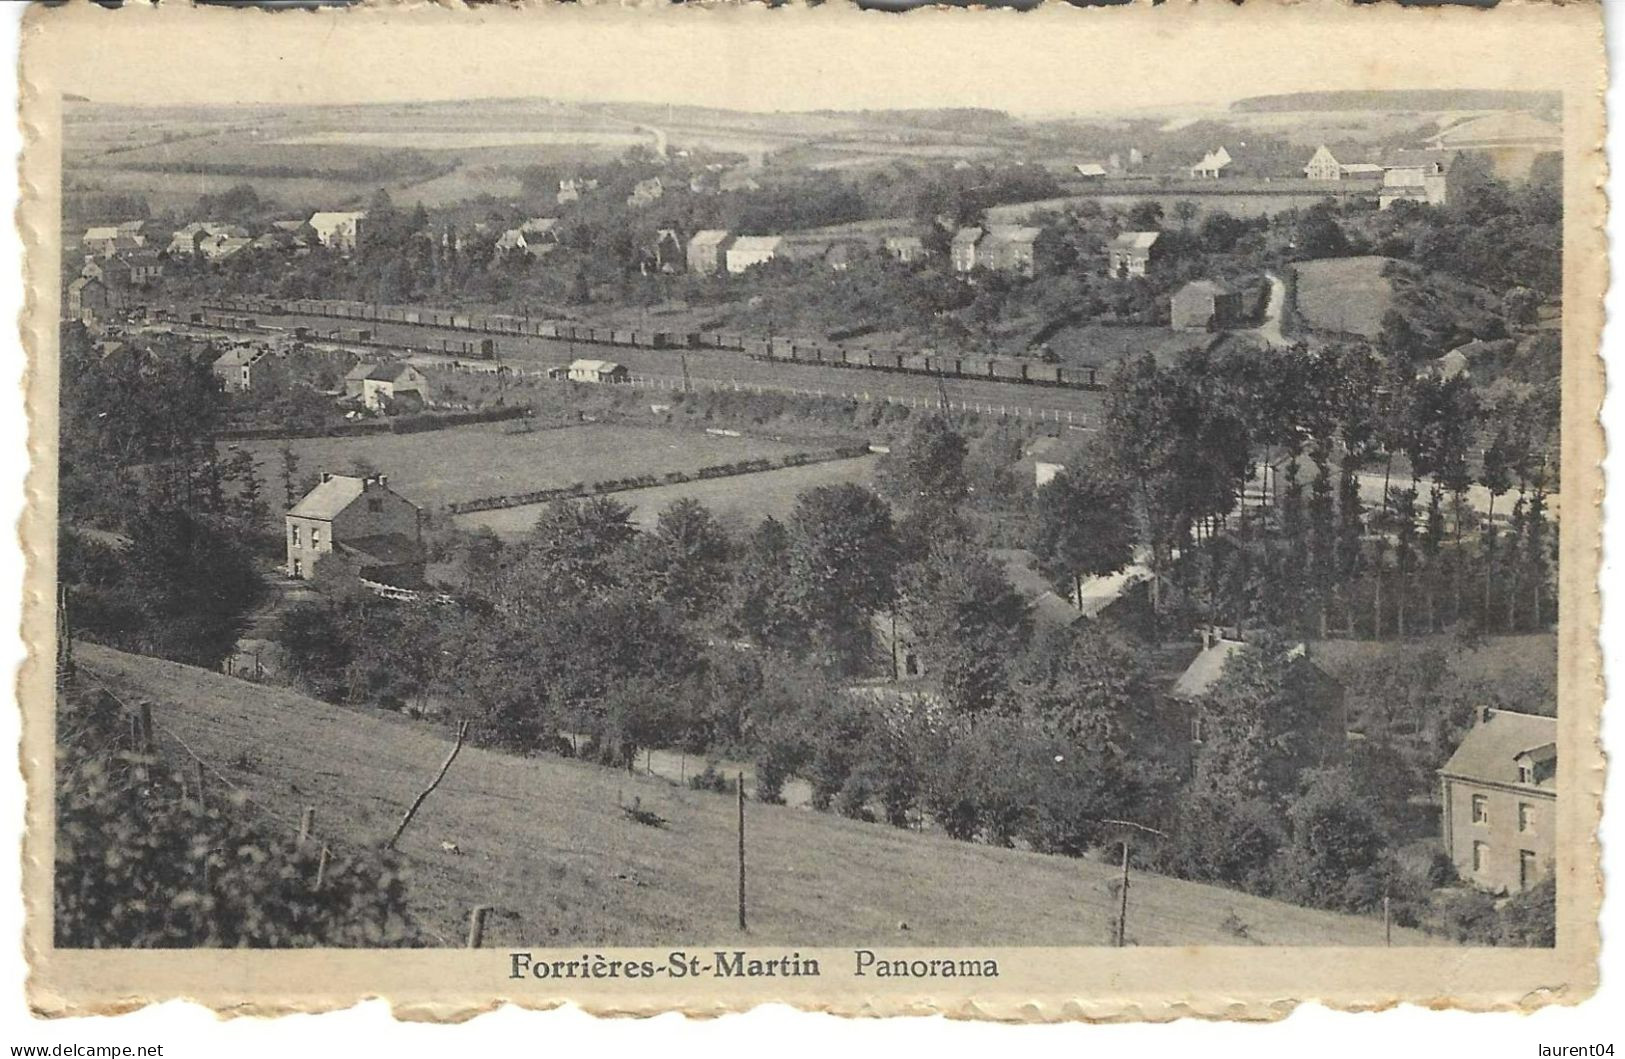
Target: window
295,538
1527,871
1196,728
1481,857
1526,816
315,537
1526,774
1481,809
298,568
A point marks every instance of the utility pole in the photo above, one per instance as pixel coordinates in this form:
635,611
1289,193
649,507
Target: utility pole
1120,934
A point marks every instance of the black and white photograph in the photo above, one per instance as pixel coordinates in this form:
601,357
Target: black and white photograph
682,532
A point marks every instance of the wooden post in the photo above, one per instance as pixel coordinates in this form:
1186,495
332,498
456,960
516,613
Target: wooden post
146,728
741,793
321,867
1122,901
462,733
307,821
202,790
476,925
1387,923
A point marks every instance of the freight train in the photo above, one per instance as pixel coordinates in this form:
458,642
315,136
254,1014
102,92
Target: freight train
781,349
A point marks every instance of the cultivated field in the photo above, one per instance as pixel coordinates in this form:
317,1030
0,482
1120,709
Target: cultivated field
466,463
543,842
1348,294
740,502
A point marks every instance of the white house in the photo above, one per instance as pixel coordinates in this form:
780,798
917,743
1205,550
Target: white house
338,230
748,251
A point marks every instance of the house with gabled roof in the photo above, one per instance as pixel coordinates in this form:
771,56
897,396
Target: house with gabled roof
707,251
355,527
395,386
1499,800
245,367
748,251
1205,305
1212,165
340,230
1131,254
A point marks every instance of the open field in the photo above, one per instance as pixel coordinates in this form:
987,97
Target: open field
466,463
739,502
1348,294
1124,194
543,842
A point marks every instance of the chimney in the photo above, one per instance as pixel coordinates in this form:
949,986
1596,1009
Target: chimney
1482,714
1207,637
383,480
327,476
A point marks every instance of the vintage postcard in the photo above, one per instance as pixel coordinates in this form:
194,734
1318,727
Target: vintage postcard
1082,514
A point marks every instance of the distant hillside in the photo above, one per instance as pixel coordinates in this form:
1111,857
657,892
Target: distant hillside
1409,99
543,841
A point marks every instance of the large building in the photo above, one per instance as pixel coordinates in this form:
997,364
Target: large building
248,367
357,527
1416,176
1324,166
339,230
1009,248
1500,800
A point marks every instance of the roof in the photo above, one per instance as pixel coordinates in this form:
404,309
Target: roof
1217,158
1090,169
757,243
967,236
384,549
1490,750
1205,286
1416,159
1135,240
709,237
239,356
387,372
540,224
600,366
107,232
1048,607
1361,167
331,496
1013,233
360,371
898,242
1098,593
335,217
1208,666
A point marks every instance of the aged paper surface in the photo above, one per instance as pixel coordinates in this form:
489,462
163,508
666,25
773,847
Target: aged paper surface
568,164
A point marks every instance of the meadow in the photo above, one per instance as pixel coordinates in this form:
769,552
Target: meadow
739,502
465,463
544,843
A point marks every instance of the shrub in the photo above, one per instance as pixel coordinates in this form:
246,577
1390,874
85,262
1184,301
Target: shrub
713,781
140,866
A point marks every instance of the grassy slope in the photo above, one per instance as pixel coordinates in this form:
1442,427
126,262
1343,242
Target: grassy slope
464,463
1344,294
543,842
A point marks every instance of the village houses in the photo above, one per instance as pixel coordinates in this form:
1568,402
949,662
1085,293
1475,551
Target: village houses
1130,254
189,240
247,367
1213,165
1008,248
87,299
107,240
645,193
1500,800
906,248
356,527
1416,176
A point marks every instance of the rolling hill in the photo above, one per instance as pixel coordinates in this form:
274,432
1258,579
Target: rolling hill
544,843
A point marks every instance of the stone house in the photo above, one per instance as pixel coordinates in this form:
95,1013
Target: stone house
1499,800
355,527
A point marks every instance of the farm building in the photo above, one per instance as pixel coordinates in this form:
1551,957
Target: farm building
246,368
667,254
1449,366
1090,171
87,297
187,242
906,248
1500,800
107,240
135,268
1324,166
393,387
356,527
1416,176
1319,694
1213,165
707,251
748,251
1130,254
339,230
1048,608
596,371
1205,305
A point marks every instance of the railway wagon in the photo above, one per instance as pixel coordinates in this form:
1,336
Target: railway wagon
619,338
546,329
758,349
782,348
355,334
482,348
